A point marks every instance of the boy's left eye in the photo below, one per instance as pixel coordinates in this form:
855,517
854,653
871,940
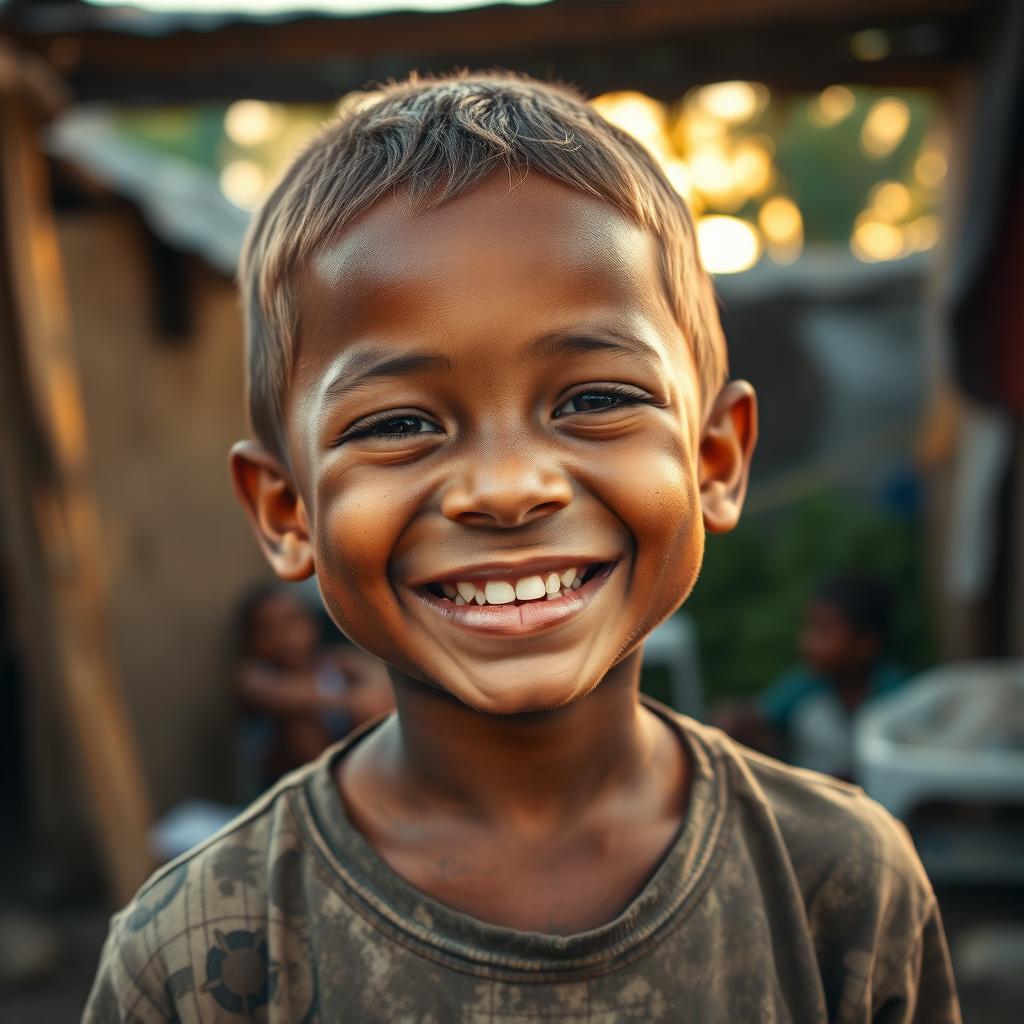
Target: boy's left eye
600,399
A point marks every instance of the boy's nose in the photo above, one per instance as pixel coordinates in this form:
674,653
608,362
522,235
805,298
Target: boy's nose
505,492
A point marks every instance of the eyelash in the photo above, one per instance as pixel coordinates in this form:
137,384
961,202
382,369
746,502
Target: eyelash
625,396
367,427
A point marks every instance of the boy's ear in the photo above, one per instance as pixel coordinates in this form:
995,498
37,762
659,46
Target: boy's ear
726,447
276,512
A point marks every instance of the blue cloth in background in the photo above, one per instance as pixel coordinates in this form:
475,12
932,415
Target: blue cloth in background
818,729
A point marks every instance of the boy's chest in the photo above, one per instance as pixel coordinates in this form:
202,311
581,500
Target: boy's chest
556,886
330,964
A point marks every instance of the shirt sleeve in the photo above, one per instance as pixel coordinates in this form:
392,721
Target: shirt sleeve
922,990
902,963
880,948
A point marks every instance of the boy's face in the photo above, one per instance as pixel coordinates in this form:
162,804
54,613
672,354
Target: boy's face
490,393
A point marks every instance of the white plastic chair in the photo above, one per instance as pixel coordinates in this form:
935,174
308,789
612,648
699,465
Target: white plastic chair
955,733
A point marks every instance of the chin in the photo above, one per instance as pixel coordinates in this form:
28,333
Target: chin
511,697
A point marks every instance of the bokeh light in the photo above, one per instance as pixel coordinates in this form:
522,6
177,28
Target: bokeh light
875,240
732,102
885,127
783,228
923,233
832,105
644,118
712,173
694,127
930,168
753,165
892,200
762,174
717,149
870,44
243,182
682,181
252,122
727,245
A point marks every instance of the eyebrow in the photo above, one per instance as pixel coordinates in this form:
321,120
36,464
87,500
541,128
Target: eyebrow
361,366
581,343
364,365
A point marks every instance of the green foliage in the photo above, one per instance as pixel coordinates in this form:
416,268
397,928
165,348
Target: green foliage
748,601
188,133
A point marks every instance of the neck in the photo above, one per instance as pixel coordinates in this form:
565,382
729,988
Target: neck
531,770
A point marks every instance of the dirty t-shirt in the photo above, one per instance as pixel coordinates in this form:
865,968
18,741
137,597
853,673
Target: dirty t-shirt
787,896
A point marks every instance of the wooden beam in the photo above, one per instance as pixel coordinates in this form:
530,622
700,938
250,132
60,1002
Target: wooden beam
36,334
602,45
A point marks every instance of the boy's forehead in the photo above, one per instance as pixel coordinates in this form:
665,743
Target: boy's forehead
495,242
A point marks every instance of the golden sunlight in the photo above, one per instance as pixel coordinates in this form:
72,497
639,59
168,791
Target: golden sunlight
891,200
727,245
874,240
732,102
832,105
885,127
783,227
644,118
930,168
243,182
250,122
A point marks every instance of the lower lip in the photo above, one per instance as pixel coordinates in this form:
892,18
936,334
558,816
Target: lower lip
518,619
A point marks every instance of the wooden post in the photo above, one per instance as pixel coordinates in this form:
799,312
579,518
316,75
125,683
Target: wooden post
61,507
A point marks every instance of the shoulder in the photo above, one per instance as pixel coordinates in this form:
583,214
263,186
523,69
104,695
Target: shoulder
841,870
853,864
825,823
180,930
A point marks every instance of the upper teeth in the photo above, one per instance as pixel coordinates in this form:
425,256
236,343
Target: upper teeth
529,588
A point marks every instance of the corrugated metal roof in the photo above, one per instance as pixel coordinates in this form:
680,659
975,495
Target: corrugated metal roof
162,17
301,8
180,201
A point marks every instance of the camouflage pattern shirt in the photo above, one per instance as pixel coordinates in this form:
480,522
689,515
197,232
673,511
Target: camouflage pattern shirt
787,896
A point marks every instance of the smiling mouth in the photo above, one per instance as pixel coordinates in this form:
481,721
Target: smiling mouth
507,605
547,586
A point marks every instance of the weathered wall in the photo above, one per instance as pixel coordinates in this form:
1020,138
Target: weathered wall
161,417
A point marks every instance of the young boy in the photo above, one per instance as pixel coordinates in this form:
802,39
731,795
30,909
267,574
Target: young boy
489,389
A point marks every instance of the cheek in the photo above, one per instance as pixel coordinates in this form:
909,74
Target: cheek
658,499
671,541
355,532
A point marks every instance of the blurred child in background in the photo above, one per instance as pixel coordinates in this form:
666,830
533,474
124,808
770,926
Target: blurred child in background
806,715
300,695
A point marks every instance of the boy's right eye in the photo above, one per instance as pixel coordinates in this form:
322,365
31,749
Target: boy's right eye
389,426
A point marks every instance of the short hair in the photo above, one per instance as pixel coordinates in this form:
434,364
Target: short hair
864,601
435,139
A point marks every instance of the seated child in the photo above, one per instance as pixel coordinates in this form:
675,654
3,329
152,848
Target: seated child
299,695
807,714
842,642
489,392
